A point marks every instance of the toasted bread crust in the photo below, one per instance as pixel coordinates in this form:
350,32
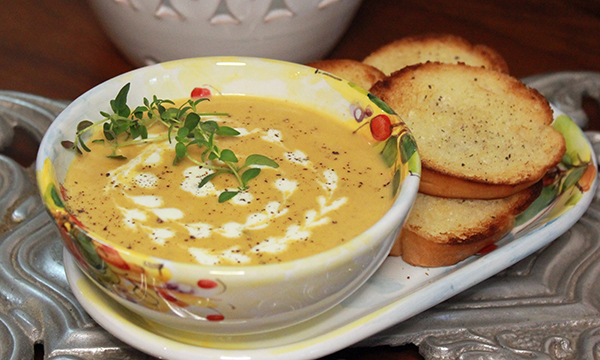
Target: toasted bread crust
361,74
474,124
442,231
417,251
437,184
443,48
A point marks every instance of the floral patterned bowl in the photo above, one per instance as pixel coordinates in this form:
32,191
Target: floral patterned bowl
222,299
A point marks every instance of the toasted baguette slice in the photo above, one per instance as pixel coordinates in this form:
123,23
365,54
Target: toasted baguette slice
361,74
472,127
438,184
442,231
442,48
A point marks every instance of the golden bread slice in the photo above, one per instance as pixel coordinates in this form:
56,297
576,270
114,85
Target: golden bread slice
361,74
481,134
442,231
444,48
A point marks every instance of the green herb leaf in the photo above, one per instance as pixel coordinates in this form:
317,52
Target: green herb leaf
180,150
227,195
144,132
228,155
227,131
211,144
108,133
184,110
182,133
169,114
257,159
196,102
191,121
209,126
205,153
250,174
67,144
120,127
117,157
119,104
199,140
82,144
207,179
161,109
138,131
84,125
171,128
139,111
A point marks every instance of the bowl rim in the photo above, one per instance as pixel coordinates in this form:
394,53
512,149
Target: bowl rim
387,224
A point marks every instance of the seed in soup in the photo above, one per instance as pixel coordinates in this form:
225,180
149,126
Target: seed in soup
329,187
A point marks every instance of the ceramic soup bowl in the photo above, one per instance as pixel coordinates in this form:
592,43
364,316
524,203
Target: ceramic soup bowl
151,31
231,299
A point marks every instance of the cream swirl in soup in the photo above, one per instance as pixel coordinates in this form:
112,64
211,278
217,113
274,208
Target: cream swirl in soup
330,186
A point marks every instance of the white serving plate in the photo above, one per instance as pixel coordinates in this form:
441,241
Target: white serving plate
395,293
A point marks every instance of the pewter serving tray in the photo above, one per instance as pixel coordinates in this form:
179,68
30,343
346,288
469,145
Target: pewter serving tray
545,307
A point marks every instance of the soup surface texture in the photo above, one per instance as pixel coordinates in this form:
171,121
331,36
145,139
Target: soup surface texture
330,186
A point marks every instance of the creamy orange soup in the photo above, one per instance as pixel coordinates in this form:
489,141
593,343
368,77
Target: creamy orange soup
330,186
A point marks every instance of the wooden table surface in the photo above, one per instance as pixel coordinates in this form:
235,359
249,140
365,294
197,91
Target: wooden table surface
55,48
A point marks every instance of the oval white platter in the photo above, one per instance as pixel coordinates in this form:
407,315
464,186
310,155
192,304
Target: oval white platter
395,293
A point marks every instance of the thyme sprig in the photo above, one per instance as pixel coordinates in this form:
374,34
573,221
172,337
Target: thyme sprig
126,127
